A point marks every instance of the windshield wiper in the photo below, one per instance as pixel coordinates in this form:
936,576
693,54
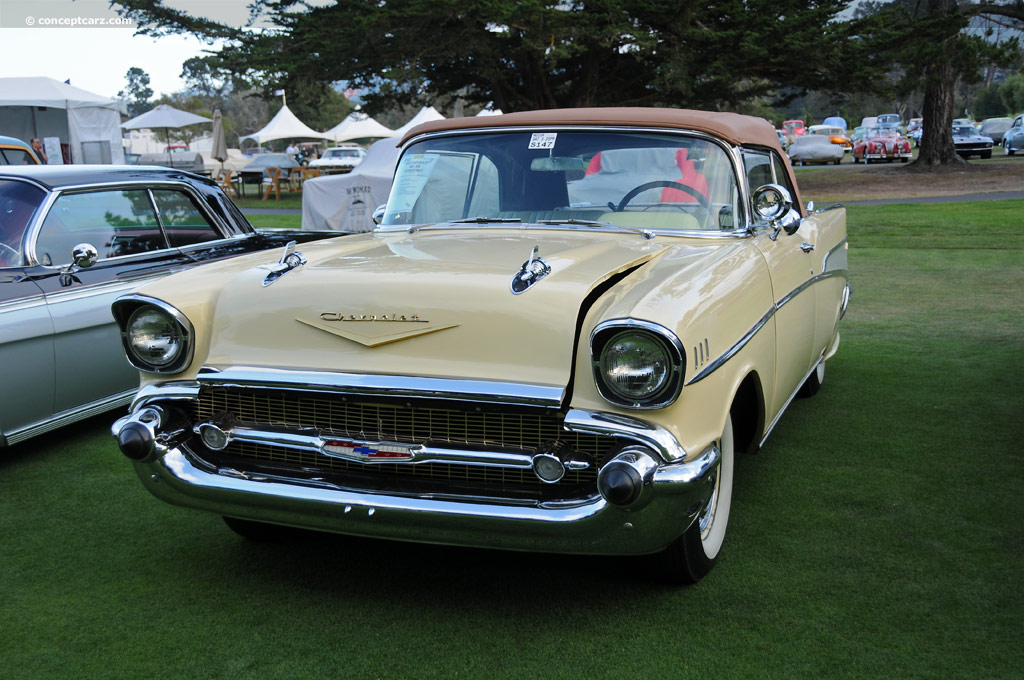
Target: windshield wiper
485,220
646,233
469,220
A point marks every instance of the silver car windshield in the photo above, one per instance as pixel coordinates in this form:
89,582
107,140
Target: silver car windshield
620,178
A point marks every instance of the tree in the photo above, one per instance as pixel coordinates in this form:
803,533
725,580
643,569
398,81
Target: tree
137,93
535,53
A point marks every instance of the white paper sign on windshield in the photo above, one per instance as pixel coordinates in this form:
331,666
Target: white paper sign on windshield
410,180
543,140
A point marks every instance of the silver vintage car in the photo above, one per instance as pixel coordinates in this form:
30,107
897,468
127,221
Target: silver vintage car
73,238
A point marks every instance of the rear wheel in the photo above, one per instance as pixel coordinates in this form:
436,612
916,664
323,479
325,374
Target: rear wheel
691,556
813,382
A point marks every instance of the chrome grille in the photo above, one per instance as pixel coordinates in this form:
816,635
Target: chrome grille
413,423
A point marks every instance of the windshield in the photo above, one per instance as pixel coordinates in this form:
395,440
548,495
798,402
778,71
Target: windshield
632,179
964,131
883,132
341,153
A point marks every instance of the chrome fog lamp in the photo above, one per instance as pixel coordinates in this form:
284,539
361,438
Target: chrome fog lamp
213,436
548,468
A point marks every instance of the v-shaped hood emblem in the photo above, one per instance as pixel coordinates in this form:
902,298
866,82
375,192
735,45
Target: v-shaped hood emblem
374,332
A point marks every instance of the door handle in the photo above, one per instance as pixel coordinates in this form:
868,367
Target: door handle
806,247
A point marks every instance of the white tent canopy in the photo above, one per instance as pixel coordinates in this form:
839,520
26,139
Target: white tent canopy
44,107
347,202
358,125
285,125
425,115
164,116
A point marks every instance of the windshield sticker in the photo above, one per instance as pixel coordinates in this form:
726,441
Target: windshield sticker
543,140
409,182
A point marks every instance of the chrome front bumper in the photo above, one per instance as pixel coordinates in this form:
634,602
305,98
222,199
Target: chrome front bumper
671,493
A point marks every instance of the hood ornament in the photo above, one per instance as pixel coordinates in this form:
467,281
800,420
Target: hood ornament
290,259
533,270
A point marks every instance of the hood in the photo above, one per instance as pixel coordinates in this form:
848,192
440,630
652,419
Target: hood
435,303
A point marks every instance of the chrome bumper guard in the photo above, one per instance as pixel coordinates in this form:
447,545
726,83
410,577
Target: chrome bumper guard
669,494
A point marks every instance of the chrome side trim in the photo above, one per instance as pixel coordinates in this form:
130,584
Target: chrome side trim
616,425
836,259
800,384
477,391
28,302
732,351
109,287
749,335
71,416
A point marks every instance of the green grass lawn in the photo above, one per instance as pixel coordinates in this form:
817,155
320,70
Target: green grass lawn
878,534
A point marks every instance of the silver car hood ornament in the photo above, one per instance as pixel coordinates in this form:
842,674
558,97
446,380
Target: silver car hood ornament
533,270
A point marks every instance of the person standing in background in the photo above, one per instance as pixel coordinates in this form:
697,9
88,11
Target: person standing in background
37,147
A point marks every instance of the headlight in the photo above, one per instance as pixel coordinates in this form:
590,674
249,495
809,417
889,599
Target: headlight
156,337
637,364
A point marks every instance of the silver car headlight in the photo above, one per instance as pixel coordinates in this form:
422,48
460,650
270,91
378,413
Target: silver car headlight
637,364
157,337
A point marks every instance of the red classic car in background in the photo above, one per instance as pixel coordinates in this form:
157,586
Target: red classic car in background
881,144
793,128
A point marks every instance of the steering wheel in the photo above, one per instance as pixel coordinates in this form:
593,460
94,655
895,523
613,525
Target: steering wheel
8,255
633,193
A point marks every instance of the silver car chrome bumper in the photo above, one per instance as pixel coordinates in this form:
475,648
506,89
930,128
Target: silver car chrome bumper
674,496
670,488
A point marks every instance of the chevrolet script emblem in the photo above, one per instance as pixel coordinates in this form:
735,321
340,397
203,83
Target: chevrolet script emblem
373,330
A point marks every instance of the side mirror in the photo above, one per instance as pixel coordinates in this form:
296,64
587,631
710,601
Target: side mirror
378,214
774,204
84,255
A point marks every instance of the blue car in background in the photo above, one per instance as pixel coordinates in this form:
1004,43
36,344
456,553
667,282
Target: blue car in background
13,151
1013,139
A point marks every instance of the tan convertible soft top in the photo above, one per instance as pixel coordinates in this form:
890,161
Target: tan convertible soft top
733,127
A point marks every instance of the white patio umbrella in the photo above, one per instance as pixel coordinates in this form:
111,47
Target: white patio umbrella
166,117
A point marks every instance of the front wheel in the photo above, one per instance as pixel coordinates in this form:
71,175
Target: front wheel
691,556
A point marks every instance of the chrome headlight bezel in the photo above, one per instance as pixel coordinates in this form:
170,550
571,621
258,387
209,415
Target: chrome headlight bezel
616,330
128,307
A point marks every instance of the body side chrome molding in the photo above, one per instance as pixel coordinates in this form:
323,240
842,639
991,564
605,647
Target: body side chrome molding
768,430
70,416
749,335
474,391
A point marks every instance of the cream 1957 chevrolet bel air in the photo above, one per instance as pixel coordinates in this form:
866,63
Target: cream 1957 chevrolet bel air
562,330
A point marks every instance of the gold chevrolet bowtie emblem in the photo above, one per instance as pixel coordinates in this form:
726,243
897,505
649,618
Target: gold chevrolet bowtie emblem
373,330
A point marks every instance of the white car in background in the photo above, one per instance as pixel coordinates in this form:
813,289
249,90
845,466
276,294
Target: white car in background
339,159
814,149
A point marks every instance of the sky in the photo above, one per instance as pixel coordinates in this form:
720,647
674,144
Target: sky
97,58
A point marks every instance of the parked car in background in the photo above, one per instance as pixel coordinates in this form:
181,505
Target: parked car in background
890,120
815,149
858,134
339,159
1013,138
869,122
562,330
13,151
914,124
960,122
969,142
783,139
882,144
794,129
177,158
836,135
73,238
995,128
915,135
837,121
